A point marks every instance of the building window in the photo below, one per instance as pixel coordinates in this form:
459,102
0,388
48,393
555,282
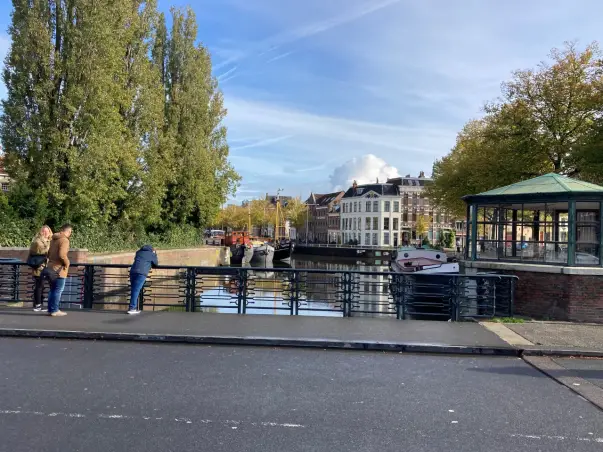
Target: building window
386,238
5,186
367,238
375,239
368,206
396,206
375,223
375,206
355,206
354,224
405,199
414,216
405,217
359,224
395,225
386,206
415,200
367,223
386,224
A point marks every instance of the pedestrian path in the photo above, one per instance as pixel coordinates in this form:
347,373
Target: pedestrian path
356,332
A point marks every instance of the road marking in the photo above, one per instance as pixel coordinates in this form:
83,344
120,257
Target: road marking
184,420
557,438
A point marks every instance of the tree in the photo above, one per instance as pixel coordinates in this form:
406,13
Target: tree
296,212
545,121
109,120
422,226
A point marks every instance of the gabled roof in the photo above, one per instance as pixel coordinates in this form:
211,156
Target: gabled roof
550,185
380,189
327,199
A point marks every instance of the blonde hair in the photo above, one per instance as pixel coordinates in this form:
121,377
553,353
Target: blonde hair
43,229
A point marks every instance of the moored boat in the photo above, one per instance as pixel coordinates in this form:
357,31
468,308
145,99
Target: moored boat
422,261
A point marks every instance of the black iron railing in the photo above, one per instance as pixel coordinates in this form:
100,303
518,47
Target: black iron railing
282,291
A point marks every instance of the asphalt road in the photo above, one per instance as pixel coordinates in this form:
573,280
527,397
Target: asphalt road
104,396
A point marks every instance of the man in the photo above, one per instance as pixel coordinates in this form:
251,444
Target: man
57,269
145,258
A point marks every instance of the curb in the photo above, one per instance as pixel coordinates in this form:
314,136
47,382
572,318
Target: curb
562,353
267,342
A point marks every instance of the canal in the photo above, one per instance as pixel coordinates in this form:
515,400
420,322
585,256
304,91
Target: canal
321,293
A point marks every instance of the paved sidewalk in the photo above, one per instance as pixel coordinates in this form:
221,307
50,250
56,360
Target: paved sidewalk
561,334
324,332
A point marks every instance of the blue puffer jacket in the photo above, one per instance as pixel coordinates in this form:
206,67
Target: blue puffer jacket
144,260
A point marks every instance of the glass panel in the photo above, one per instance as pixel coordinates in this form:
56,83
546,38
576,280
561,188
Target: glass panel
386,206
375,206
367,223
386,224
588,232
396,206
368,206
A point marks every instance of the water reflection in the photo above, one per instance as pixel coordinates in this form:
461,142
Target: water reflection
320,294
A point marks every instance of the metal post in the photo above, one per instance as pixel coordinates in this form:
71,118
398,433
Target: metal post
399,296
242,280
571,240
16,282
190,289
294,292
88,286
474,232
347,294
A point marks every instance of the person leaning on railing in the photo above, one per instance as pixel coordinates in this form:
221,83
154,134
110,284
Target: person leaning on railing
37,260
57,269
145,258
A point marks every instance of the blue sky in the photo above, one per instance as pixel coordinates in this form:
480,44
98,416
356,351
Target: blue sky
320,92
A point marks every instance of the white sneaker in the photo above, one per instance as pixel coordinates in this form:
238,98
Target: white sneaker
37,308
133,311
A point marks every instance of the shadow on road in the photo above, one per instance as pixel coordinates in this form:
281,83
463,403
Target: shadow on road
531,372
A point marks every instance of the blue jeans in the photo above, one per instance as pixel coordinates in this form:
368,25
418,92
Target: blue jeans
136,284
54,296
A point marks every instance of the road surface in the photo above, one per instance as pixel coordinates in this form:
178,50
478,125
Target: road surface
107,396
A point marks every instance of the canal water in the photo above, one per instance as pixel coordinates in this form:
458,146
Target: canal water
321,293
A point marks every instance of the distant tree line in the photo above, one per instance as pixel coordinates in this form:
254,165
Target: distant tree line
548,119
111,122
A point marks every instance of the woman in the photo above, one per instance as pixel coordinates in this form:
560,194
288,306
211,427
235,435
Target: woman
38,257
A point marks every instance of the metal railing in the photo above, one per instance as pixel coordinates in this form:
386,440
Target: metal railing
283,291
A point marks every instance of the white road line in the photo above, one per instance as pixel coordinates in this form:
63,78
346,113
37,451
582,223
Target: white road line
557,438
184,420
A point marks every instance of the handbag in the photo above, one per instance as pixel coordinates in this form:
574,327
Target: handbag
50,274
36,260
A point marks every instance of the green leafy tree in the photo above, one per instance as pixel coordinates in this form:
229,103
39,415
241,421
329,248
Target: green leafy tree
111,122
547,120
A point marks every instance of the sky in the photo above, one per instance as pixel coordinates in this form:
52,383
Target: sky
323,92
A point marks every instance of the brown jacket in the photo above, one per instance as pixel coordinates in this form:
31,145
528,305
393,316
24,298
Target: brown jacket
57,255
39,247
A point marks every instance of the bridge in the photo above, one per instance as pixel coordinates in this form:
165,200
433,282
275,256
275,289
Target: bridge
280,291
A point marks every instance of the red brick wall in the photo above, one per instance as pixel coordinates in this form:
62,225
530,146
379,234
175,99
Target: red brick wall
576,298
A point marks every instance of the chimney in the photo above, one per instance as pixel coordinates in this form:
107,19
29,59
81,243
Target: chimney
354,186
421,175
377,180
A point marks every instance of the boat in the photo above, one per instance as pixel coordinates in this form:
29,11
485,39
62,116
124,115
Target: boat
283,246
241,254
422,260
283,250
263,253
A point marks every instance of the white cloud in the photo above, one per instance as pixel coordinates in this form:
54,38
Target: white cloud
364,170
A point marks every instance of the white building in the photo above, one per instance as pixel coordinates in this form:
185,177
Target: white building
387,214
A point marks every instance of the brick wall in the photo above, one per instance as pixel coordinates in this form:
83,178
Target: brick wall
554,296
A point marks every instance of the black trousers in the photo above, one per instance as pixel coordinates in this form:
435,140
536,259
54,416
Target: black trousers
38,289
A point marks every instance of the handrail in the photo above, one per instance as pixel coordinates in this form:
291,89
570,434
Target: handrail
278,290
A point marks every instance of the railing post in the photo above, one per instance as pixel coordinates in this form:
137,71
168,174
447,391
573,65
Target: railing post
16,281
294,292
347,294
399,294
88,286
242,280
190,292
455,308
